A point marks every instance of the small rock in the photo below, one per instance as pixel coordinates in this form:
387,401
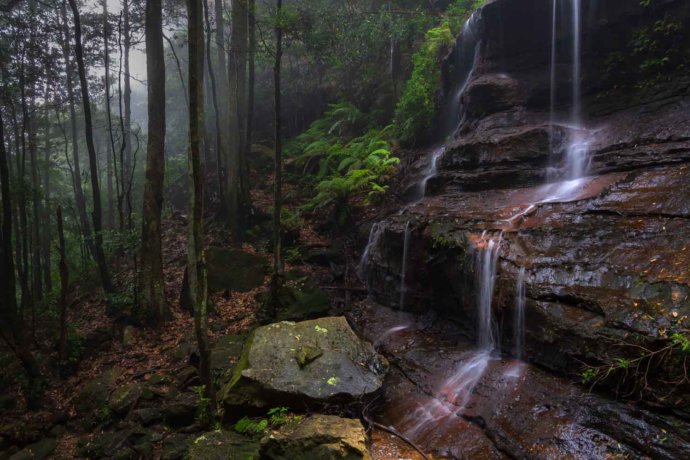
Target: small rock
147,416
223,445
128,335
319,437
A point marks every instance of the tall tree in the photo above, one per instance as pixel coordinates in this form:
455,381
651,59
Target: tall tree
79,197
237,83
251,80
277,278
128,164
97,215
221,77
196,266
10,324
151,285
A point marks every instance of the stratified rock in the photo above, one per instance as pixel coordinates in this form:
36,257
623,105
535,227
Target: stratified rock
277,366
223,445
234,270
319,437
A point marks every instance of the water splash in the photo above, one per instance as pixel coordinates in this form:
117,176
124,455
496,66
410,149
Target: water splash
403,271
519,321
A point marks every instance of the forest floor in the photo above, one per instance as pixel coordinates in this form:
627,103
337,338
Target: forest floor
147,353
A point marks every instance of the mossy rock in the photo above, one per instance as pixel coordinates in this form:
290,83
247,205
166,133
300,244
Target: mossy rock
319,437
125,397
275,368
93,396
234,270
223,445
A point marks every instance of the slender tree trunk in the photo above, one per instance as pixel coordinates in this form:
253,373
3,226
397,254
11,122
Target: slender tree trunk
251,24
36,242
214,100
237,79
23,268
64,285
47,234
128,165
277,278
196,264
97,215
79,196
151,284
222,108
10,325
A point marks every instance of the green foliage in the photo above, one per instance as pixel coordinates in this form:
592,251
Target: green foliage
343,164
76,346
681,341
652,55
588,375
419,103
203,406
275,418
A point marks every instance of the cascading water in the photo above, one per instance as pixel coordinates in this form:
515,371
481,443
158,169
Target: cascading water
374,235
486,260
519,320
403,270
465,59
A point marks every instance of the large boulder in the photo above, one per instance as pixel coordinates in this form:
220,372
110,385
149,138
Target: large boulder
315,361
319,437
36,451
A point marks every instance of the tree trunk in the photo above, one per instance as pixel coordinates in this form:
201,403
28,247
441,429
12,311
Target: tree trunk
151,284
64,286
128,166
196,264
214,100
237,76
10,325
221,95
47,234
277,278
97,215
251,23
79,196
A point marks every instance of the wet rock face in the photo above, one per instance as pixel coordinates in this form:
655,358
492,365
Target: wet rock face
606,258
314,361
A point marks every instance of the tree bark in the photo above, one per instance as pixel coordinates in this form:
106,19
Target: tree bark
196,265
97,215
151,284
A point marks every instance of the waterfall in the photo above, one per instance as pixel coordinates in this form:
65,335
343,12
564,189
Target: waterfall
486,262
403,271
577,92
465,56
552,101
374,235
519,321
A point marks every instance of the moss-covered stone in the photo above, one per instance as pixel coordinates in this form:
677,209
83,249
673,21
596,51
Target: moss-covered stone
125,397
319,437
269,371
